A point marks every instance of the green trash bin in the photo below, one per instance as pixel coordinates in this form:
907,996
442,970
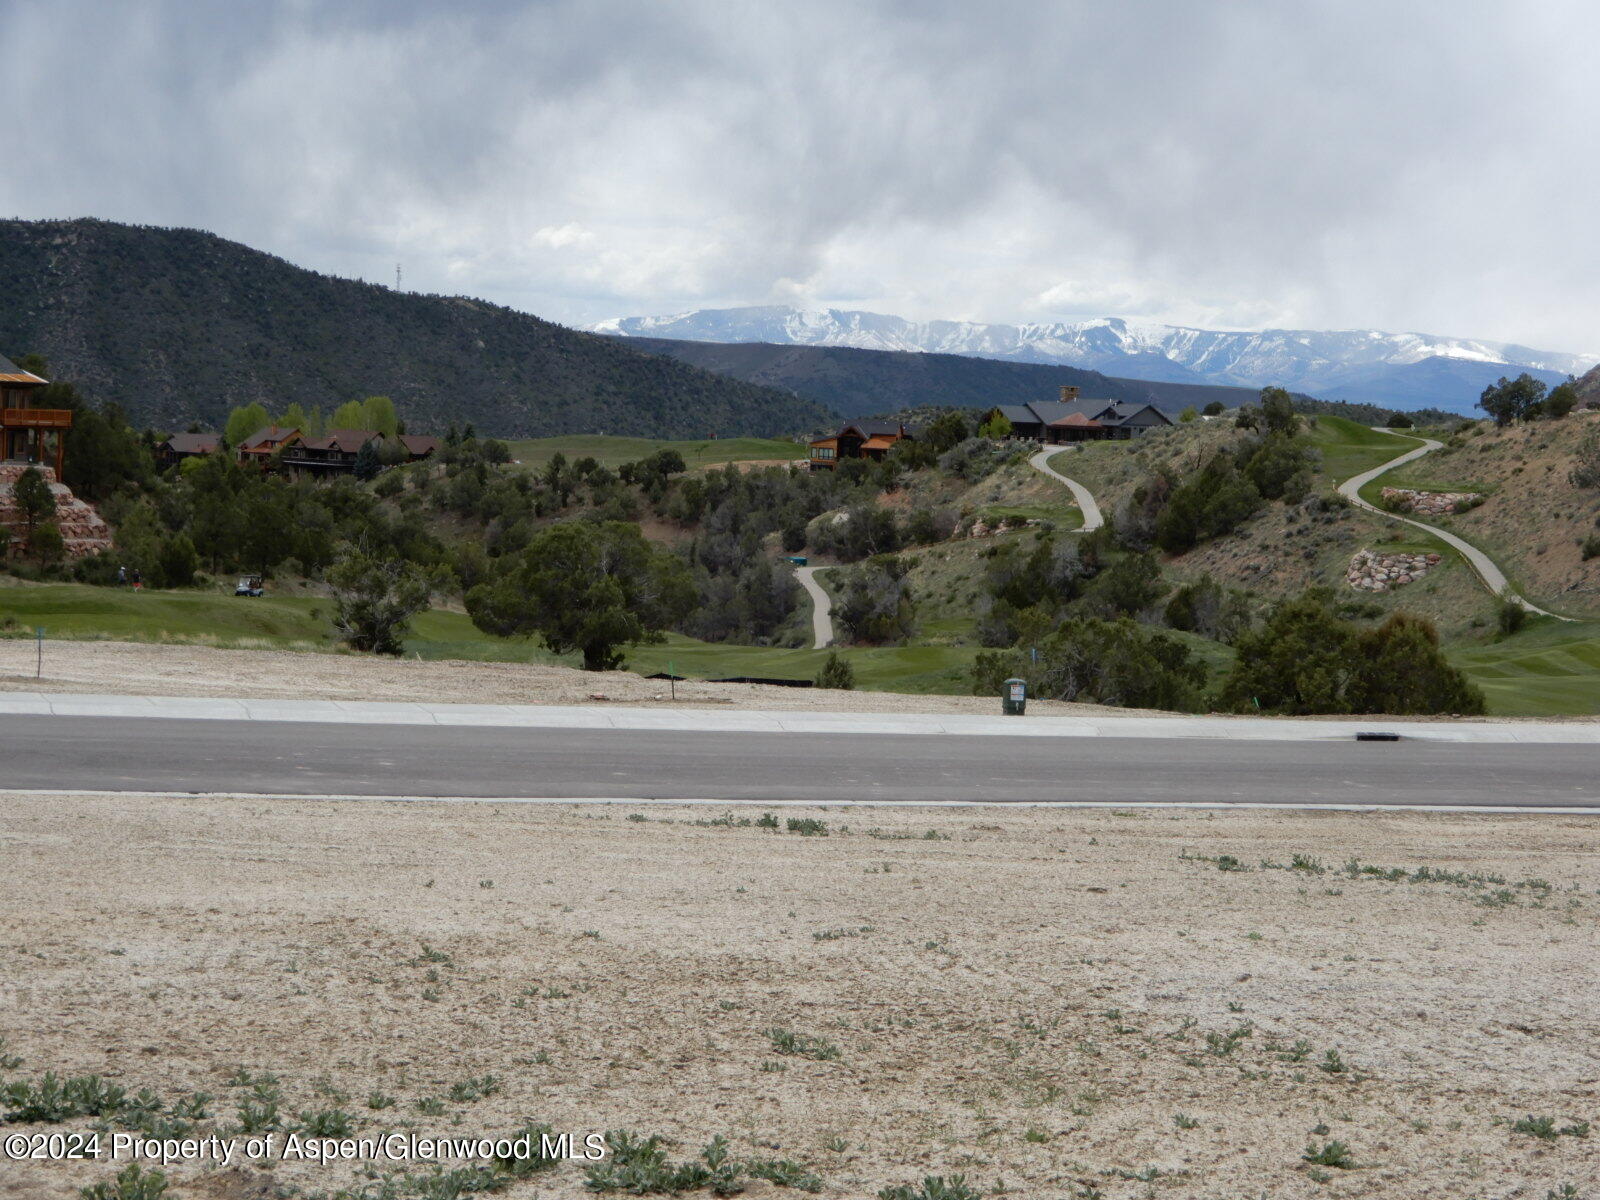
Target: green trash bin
1014,700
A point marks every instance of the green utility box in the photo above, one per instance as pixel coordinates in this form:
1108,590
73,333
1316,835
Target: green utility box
1014,701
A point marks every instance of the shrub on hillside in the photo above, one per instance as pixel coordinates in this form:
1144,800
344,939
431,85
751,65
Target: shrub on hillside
1214,502
1510,616
875,602
1280,467
1309,660
1206,608
1586,460
1126,588
1398,420
978,458
1108,662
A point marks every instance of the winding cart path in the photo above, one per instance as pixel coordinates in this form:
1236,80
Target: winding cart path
1491,576
821,606
1092,519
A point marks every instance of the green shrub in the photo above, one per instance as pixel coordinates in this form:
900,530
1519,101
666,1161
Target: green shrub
1111,662
1333,1154
1216,501
1308,660
1509,614
836,673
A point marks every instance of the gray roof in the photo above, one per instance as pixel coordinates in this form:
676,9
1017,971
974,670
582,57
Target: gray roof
1018,414
1046,412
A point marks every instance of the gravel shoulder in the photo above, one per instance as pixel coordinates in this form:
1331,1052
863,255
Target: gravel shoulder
1034,995
154,669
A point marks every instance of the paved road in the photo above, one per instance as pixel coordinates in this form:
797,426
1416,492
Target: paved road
1492,576
158,755
1092,519
821,606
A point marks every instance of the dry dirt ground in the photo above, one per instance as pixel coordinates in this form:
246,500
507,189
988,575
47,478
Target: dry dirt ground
150,669
1076,1004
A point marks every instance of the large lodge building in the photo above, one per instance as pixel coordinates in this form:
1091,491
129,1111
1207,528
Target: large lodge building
28,434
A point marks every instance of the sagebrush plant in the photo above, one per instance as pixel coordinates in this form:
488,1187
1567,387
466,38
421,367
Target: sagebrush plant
1331,1154
786,1041
639,1166
131,1183
933,1187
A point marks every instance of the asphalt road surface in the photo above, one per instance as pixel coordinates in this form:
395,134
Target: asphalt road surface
268,757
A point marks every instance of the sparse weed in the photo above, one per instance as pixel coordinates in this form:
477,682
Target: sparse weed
933,1187
786,1041
327,1123
1185,1121
131,1183
1545,1128
1331,1154
469,1090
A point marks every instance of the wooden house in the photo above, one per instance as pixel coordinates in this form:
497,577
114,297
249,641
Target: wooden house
29,434
859,439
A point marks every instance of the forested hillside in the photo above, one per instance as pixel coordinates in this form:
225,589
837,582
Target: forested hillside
859,383
178,325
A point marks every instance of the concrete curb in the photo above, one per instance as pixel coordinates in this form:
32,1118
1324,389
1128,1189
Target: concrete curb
696,720
1212,806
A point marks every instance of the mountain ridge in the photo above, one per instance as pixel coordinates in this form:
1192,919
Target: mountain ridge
1406,369
863,383
180,325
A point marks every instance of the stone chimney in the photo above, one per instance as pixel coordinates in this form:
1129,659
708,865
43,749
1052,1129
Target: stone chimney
1068,394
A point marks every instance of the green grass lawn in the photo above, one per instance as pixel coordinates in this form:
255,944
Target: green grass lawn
1349,448
917,669
1552,668
614,451
1063,516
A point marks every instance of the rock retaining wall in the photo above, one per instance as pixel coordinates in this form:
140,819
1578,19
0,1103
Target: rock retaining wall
1372,572
83,530
1431,504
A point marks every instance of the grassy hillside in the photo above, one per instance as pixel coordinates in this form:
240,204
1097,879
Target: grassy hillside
614,451
177,325
860,383
1535,520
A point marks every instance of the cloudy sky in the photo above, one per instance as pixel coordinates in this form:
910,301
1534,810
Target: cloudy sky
1407,164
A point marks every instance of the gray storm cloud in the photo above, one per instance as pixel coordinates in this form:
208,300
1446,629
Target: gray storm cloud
1417,166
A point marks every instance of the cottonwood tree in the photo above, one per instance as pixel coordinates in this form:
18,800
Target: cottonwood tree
593,587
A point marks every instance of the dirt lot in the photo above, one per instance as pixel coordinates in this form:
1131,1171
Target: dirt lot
1078,1004
149,669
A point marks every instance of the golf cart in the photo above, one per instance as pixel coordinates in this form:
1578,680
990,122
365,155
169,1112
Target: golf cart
248,585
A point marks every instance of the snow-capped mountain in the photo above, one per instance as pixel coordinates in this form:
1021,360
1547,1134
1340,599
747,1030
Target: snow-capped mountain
1355,364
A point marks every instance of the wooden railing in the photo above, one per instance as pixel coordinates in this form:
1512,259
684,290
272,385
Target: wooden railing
36,418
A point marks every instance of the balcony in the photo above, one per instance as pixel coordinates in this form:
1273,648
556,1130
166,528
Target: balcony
36,418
